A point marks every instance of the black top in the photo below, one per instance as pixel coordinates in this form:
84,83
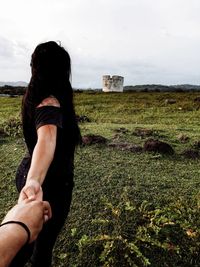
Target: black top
61,169
48,115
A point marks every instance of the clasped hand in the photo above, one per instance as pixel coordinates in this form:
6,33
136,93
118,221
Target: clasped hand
32,213
33,191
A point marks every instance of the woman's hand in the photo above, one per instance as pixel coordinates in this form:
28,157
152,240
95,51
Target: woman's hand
32,190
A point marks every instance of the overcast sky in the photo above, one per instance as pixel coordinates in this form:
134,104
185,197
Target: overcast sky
146,41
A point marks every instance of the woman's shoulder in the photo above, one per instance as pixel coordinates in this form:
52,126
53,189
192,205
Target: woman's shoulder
49,101
48,112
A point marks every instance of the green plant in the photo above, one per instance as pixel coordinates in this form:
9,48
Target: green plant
13,127
128,235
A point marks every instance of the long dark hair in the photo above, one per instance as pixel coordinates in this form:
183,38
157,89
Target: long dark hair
51,70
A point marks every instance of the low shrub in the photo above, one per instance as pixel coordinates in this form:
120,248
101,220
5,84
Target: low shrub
141,236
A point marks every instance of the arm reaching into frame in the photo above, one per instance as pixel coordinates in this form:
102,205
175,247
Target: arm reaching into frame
13,236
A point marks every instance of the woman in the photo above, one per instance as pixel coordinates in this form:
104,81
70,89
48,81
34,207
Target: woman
51,134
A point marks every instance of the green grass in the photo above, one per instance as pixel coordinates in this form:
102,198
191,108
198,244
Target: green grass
113,185
142,108
10,107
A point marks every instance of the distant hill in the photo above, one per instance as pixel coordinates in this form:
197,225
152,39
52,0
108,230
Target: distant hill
19,88
14,84
161,88
13,90
187,87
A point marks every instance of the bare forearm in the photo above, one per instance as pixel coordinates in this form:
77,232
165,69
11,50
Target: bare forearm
13,237
41,160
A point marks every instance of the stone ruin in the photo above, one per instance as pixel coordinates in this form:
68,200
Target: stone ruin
113,84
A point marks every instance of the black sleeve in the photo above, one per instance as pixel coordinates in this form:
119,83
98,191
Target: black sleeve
48,115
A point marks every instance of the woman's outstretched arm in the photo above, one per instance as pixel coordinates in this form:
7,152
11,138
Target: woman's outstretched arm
41,159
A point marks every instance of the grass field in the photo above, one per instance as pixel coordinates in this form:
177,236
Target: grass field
128,209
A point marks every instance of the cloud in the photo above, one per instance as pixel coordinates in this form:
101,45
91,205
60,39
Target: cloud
145,41
6,49
14,60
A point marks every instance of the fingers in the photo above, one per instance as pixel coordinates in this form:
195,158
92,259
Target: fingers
30,192
47,211
45,206
34,194
46,218
27,200
27,193
31,198
22,196
39,195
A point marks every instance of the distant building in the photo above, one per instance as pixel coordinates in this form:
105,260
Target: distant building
113,84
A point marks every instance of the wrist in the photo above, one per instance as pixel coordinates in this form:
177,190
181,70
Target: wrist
15,233
17,229
33,180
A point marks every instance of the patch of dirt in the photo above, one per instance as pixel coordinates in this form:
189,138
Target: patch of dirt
126,147
82,118
191,154
121,130
91,139
136,148
197,99
153,145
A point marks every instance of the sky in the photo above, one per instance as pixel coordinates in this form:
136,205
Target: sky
146,41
